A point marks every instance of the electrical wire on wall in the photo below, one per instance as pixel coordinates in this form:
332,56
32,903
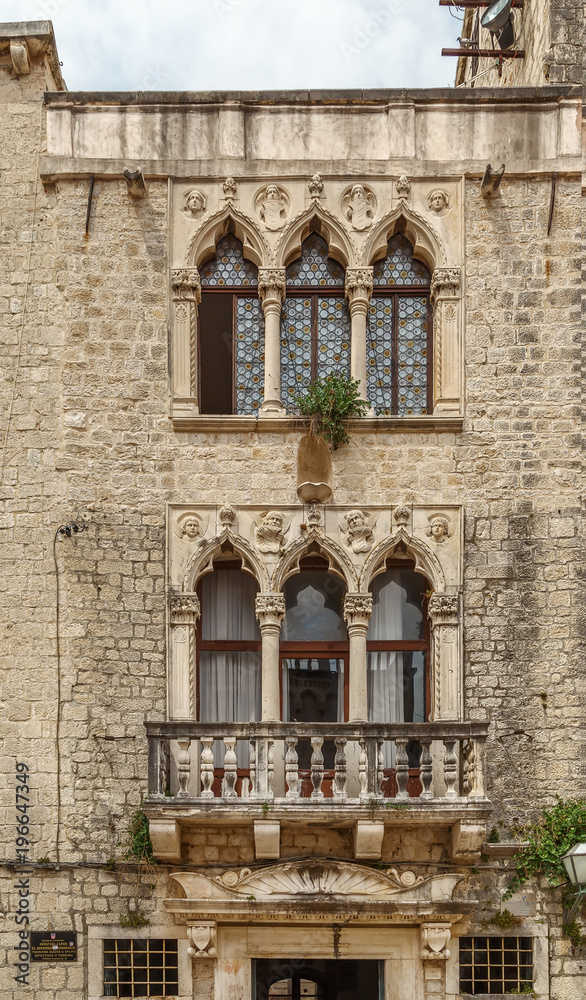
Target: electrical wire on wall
67,531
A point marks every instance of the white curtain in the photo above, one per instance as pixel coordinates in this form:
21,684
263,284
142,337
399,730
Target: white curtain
229,682
385,669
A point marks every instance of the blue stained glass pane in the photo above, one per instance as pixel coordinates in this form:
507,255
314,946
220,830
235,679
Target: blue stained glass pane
412,355
295,349
399,267
314,267
379,355
333,336
250,355
229,267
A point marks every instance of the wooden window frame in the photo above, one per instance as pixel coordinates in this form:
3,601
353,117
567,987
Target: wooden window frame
395,292
237,292
317,651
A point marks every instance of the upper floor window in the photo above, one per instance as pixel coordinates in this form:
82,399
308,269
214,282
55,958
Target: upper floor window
315,321
231,333
398,348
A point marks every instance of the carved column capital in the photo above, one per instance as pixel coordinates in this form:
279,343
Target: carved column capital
186,284
444,609
185,609
435,938
271,285
358,611
359,283
445,283
270,610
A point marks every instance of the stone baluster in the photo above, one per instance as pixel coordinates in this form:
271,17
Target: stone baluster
317,767
402,768
363,771
340,770
450,769
447,361
468,768
380,773
359,282
183,767
292,768
357,615
270,768
263,768
270,611
230,768
186,296
157,767
185,613
253,786
207,767
271,292
426,769
444,615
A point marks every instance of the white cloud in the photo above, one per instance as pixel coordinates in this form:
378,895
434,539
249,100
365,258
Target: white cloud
247,44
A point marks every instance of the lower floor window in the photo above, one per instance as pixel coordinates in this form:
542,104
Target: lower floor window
140,968
495,964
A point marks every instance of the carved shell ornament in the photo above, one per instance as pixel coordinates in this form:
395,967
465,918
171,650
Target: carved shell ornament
359,206
195,204
272,205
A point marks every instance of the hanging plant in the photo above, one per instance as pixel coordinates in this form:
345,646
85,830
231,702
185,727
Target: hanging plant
329,403
548,840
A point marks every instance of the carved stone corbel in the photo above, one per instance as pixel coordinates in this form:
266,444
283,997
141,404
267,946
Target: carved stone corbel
271,292
435,938
270,611
202,939
185,614
359,284
357,615
444,615
446,305
468,837
19,57
186,296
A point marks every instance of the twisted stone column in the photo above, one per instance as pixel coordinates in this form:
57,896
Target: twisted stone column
186,296
271,291
357,615
270,611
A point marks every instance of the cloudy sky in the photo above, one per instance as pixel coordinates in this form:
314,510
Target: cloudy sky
246,44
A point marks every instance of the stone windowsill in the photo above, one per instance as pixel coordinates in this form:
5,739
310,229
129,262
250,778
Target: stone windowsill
234,424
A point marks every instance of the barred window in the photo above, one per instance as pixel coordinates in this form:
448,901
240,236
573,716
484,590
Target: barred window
495,964
140,968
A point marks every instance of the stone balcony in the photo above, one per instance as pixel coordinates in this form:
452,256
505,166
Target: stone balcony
364,776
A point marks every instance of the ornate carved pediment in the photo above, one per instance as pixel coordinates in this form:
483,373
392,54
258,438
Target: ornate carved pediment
317,878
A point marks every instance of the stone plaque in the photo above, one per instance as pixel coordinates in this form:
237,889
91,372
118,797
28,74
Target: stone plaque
53,946
521,904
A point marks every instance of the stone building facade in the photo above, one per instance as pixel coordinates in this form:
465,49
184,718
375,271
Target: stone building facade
324,687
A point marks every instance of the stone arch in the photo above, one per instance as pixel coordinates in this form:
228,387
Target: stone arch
426,562
204,242
427,245
316,219
338,561
201,562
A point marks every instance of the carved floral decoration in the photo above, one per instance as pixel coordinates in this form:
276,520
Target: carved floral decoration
403,187
316,186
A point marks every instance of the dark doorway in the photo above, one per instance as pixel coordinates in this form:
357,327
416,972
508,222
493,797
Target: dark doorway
317,979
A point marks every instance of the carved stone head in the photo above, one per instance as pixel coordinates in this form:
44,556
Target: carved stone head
195,204
439,527
438,201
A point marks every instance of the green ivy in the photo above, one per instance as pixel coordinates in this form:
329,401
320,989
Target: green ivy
138,843
558,830
505,919
133,918
329,403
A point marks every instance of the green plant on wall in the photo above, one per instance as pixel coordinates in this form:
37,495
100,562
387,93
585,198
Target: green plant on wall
138,842
329,403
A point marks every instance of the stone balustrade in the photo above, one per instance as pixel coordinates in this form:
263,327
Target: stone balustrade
315,764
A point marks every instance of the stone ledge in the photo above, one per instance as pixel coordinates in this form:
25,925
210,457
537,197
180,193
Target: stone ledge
234,424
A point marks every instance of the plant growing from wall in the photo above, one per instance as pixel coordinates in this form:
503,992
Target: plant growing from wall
138,842
329,403
133,918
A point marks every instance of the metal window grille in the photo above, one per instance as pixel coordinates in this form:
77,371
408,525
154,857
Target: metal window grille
495,964
140,968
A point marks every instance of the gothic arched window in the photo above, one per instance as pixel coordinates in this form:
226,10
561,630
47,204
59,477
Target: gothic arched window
398,336
231,333
315,321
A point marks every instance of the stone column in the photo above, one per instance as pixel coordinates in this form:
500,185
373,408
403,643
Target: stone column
271,291
186,295
357,614
270,611
358,291
185,613
444,615
447,354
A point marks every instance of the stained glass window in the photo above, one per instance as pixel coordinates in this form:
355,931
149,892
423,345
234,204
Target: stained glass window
231,330
315,328
229,267
398,341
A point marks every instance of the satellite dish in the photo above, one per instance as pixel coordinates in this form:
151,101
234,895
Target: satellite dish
497,15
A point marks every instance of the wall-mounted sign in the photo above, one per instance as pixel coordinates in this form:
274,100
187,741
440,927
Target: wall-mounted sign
520,904
53,946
